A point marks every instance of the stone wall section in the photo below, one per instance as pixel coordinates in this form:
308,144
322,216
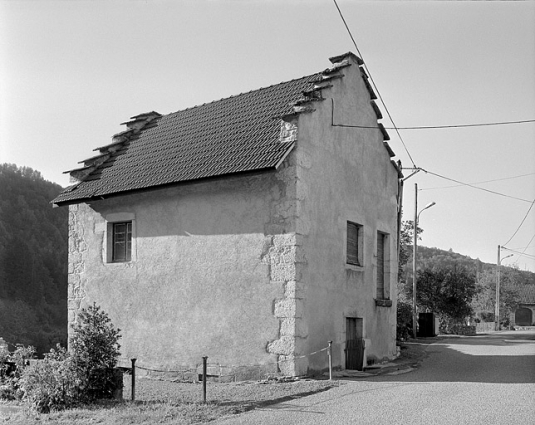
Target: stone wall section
76,274
281,254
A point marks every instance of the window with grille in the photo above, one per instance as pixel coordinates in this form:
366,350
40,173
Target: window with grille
354,244
122,242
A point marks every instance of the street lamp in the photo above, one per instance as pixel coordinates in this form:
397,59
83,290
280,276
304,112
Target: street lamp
497,306
415,238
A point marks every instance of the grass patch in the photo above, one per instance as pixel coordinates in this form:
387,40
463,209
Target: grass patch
165,402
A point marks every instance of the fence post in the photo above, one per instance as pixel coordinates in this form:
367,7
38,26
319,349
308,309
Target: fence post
133,379
204,378
330,360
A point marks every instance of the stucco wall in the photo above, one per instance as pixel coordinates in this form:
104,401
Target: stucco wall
252,269
209,275
344,174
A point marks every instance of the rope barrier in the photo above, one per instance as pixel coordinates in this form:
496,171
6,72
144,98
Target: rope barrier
221,366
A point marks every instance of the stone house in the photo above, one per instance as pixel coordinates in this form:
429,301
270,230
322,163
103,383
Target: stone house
252,229
525,313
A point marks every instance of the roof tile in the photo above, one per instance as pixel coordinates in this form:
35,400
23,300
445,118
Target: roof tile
232,135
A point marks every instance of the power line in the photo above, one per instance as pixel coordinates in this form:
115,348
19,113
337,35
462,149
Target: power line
374,85
432,127
435,127
520,254
486,181
524,251
475,187
520,225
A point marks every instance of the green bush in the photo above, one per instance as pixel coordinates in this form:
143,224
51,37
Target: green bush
51,383
83,374
12,366
95,349
404,320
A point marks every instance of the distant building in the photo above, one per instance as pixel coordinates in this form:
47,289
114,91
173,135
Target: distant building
252,230
525,313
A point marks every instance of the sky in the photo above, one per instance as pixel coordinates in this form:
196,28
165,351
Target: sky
72,71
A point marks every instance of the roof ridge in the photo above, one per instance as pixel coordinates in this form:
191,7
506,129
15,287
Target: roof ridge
244,93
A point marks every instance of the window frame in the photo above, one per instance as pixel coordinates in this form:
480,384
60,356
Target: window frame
354,250
126,251
111,220
382,294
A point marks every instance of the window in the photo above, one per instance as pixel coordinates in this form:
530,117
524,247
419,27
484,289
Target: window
354,244
381,265
122,242
383,271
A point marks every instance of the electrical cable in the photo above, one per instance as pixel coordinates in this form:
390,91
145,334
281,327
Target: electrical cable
521,254
524,252
374,85
522,222
475,187
435,127
486,181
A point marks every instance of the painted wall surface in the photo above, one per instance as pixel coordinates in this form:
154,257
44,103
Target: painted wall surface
344,174
252,269
209,273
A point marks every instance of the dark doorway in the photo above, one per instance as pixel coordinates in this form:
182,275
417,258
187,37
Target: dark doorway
523,317
354,343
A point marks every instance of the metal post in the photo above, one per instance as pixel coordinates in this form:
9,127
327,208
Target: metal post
497,306
204,359
330,352
415,237
133,379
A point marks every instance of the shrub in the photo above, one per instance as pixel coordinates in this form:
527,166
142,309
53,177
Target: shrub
404,320
50,383
94,350
83,374
12,366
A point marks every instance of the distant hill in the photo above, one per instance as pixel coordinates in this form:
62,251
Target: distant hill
516,286
430,256
33,260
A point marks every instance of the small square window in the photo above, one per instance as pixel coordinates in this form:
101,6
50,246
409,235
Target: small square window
122,242
354,244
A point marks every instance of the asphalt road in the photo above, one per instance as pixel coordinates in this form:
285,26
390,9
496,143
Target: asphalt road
487,379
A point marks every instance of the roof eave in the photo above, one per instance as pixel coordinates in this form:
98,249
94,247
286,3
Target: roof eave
166,185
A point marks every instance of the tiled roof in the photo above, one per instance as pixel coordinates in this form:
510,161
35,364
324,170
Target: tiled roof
526,293
236,134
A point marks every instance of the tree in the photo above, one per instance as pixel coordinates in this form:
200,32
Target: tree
33,259
406,242
94,347
447,292
511,283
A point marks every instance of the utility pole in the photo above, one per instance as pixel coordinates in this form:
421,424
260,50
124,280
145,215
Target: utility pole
415,238
497,307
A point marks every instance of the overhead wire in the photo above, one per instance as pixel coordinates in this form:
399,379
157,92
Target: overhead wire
475,187
521,223
435,127
485,181
521,254
374,85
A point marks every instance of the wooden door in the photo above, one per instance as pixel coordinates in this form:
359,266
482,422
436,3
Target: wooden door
354,344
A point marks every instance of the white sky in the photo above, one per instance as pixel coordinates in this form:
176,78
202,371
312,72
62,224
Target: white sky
72,71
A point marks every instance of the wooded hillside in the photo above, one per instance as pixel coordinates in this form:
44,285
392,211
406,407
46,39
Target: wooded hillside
33,260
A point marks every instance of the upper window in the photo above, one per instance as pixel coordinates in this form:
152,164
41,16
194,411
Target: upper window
122,242
383,268
354,244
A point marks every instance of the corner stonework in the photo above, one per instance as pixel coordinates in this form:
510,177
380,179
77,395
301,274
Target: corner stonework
76,277
281,259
